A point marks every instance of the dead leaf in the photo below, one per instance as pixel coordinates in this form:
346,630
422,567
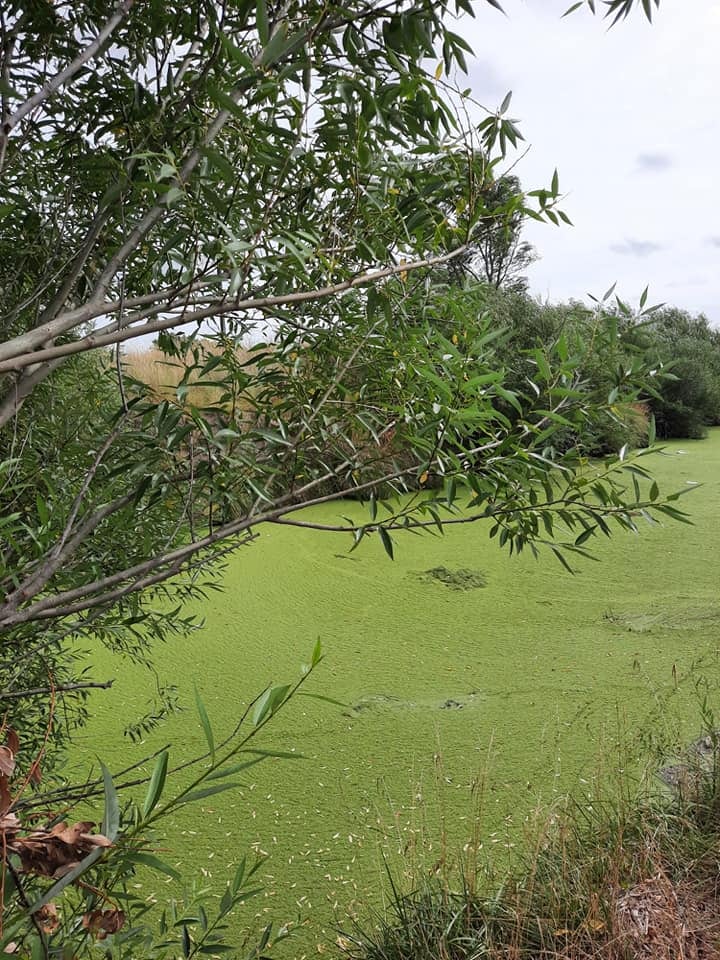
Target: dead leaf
48,917
7,761
54,852
103,922
13,741
5,795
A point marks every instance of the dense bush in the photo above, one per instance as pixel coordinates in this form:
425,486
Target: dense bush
689,402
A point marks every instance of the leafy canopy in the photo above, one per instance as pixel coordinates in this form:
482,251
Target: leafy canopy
295,177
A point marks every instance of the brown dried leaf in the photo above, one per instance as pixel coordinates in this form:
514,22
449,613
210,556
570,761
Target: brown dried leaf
71,835
5,795
48,917
54,852
9,823
103,922
13,741
7,761
96,840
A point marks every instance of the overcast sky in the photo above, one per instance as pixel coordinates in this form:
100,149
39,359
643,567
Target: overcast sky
631,119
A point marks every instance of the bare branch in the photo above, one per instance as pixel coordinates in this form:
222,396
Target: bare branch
66,75
37,581
22,359
36,691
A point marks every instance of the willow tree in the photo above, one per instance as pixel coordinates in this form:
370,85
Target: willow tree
292,176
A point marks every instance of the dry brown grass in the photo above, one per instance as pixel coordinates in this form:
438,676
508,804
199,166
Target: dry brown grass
162,374
658,919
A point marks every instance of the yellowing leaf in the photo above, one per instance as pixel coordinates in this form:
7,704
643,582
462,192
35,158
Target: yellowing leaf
438,70
423,477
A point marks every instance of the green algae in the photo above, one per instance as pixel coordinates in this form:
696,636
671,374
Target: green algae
517,685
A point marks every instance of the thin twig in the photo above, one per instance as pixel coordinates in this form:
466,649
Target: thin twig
64,77
16,361
19,694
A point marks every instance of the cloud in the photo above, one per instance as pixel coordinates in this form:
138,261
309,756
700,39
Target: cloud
654,162
636,248
713,241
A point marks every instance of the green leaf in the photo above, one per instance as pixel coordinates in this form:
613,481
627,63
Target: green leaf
239,876
207,792
263,26
258,757
157,783
205,721
280,44
269,702
172,196
324,699
386,542
236,54
584,536
111,816
562,560
150,860
317,653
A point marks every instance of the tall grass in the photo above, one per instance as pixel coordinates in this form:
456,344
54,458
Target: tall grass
629,871
162,374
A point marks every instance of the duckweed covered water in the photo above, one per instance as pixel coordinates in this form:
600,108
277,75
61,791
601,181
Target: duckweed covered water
515,683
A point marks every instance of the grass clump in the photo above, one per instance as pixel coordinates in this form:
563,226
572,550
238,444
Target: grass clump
615,876
461,579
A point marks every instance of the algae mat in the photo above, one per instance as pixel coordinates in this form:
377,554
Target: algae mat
455,663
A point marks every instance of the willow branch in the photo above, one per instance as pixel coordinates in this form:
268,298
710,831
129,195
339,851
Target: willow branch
23,359
65,76
36,691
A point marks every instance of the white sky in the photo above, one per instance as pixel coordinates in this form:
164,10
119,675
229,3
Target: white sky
631,119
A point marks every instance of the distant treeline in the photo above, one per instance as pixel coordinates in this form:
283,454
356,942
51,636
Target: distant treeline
684,401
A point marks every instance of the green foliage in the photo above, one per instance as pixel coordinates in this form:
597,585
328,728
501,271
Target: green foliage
500,253
100,889
689,401
296,176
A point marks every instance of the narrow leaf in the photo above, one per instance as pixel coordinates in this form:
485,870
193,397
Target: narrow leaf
205,721
208,792
157,783
149,860
111,817
386,542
